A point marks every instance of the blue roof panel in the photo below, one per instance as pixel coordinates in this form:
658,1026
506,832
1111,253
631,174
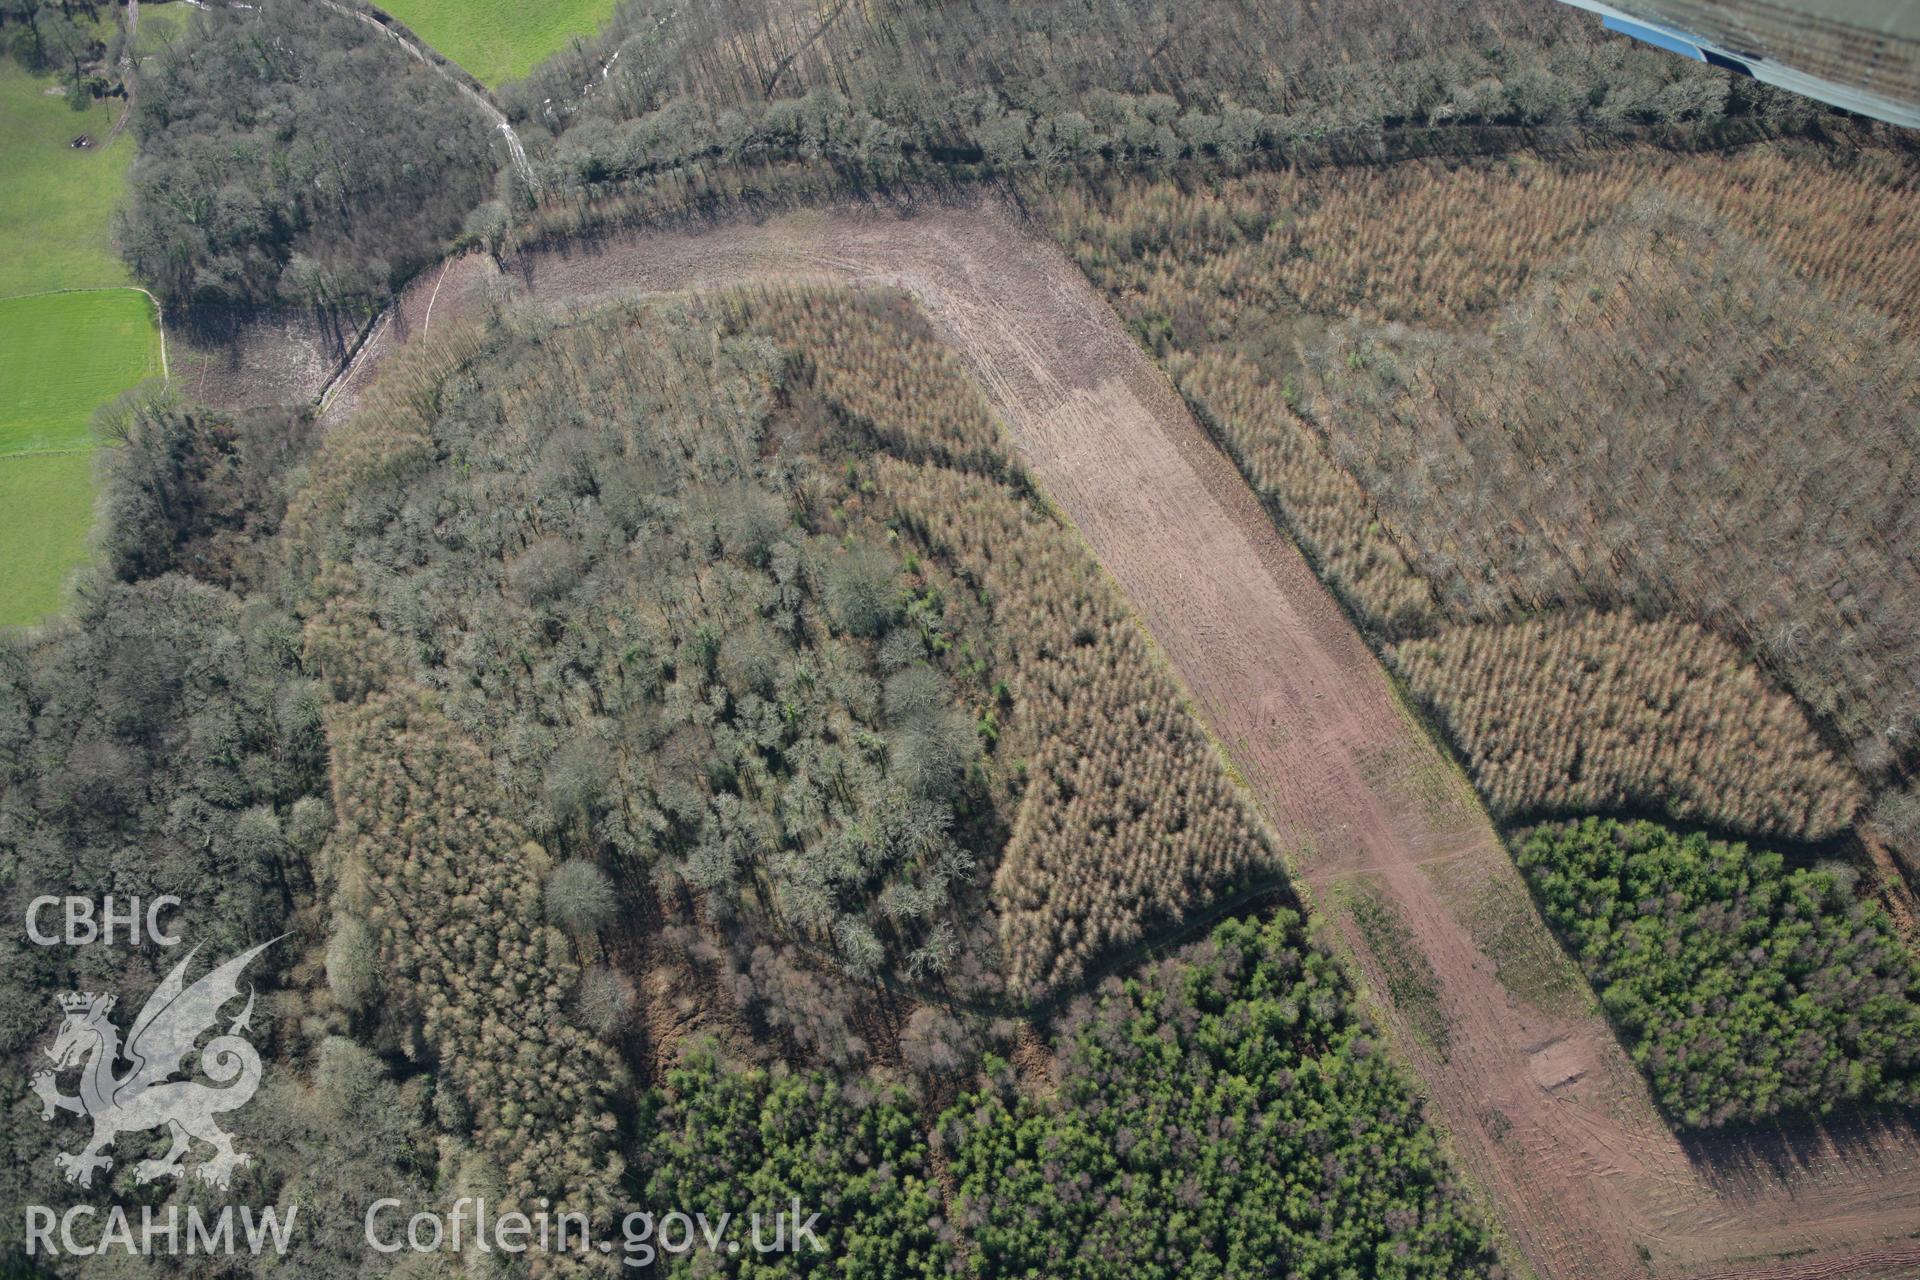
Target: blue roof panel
1653,36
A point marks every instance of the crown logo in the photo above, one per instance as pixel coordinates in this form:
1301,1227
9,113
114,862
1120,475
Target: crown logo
147,1096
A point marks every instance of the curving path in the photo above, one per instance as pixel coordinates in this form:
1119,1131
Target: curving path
1544,1109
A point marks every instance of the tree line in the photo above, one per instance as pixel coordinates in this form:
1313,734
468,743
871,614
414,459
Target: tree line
669,107
61,37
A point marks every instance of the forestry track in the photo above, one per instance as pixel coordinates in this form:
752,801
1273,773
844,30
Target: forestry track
1544,1109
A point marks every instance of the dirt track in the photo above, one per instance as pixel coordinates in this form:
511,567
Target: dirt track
1546,1111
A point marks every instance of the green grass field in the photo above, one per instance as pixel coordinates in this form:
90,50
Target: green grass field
56,201
62,355
66,355
499,40
46,508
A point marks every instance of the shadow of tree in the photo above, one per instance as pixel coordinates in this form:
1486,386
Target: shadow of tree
1882,1141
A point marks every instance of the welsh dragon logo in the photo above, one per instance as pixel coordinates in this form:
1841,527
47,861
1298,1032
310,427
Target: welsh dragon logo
145,1096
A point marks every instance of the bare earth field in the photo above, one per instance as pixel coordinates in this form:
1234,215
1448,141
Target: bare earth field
1545,1110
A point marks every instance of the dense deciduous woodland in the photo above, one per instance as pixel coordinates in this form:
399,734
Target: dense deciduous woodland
291,154
895,88
163,741
1743,988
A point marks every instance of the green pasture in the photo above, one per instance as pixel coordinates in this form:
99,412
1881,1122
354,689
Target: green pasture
158,25
63,355
46,508
56,200
499,40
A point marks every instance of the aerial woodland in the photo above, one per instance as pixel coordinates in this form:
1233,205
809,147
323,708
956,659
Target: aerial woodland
685,756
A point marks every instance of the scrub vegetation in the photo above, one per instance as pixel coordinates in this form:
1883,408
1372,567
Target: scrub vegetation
1407,974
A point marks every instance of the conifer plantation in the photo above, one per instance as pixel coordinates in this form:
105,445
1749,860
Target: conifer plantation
1744,989
728,1133
1601,712
1795,544
438,936
1224,1113
1680,384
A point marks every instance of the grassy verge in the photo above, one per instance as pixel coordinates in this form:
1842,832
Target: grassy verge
1412,986
1501,918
